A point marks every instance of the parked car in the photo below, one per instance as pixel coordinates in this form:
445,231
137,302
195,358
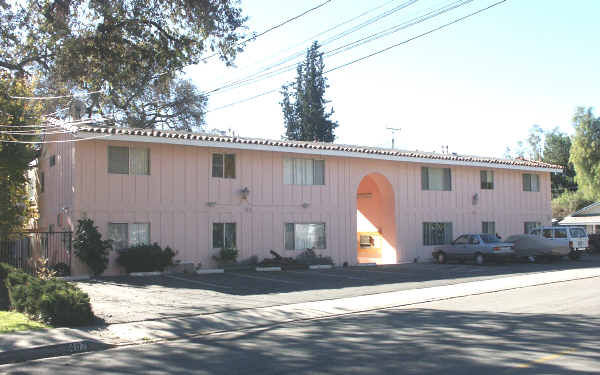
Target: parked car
477,247
574,238
534,247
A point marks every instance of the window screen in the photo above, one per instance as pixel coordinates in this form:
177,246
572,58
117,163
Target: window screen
531,182
305,236
223,165
118,234
224,235
436,178
488,227
487,180
118,160
529,226
303,171
140,161
139,234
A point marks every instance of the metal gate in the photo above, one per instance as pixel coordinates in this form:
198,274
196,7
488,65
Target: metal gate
21,250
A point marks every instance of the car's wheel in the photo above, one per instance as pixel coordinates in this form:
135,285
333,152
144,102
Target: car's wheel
574,255
441,257
479,259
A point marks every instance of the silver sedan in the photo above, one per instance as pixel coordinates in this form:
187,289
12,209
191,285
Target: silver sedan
477,247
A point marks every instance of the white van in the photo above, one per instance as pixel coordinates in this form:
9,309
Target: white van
575,237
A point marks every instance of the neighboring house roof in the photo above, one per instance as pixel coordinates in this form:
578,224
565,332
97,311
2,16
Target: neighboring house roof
320,148
588,215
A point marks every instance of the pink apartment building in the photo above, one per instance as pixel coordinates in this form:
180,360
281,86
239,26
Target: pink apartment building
198,193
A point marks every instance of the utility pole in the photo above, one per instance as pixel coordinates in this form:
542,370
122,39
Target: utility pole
393,130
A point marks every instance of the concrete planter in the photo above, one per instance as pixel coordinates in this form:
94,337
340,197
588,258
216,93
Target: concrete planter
209,271
320,267
268,269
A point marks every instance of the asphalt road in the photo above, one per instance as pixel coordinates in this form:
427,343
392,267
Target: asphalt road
549,329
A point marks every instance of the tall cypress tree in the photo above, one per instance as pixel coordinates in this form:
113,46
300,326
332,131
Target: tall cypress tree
304,105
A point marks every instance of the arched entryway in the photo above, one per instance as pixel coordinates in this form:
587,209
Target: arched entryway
375,220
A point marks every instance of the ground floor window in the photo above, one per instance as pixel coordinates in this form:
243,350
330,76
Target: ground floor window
531,225
437,233
304,236
124,235
488,227
224,235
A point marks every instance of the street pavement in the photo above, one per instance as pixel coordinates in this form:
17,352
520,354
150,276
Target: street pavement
544,329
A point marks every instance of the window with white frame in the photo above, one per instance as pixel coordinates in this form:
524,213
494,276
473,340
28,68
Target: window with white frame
302,236
223,165
124,235
488,227
531,182
133,161
303,171
224,235
529,226
487,180
437,233
436,178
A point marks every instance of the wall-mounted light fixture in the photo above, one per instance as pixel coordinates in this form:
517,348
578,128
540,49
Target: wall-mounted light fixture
244,193
475,198
305,205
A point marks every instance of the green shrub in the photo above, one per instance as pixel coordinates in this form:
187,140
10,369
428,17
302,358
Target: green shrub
89,246
146,258
309,257
52,301
61,269
226,256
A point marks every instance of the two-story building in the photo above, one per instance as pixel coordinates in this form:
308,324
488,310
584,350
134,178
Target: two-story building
198,193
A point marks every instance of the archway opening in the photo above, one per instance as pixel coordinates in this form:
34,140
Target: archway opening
375,221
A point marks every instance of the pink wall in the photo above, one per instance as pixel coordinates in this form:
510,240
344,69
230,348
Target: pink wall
174,200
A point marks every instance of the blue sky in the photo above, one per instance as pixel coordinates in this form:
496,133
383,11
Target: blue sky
476,86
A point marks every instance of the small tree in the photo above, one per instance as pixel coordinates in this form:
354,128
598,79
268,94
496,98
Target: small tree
90,247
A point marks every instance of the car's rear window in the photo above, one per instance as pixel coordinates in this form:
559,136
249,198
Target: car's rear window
577,232
489,238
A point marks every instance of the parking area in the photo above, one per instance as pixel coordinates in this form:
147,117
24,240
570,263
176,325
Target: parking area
130,299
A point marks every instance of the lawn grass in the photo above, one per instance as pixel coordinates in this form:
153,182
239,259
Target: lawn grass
11,321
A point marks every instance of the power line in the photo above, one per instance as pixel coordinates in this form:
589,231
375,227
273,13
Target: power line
256,77
372,54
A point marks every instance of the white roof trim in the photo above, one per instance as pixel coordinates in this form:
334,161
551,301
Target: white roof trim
582,210
258,147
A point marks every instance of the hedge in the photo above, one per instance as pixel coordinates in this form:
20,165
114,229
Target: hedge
146,258
52,301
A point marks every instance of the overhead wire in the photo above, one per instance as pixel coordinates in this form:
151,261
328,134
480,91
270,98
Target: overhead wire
372,54
411,22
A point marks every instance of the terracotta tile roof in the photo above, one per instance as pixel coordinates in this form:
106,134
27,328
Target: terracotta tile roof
316,146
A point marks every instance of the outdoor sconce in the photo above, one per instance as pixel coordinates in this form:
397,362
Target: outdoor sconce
305,205
211,204
245,192
475,198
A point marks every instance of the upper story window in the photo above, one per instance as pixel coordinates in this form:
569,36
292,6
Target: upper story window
223,165
487,180
303,171
52,160
129,160
531,182
436,178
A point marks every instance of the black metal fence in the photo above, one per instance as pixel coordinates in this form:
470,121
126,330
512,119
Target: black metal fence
21,250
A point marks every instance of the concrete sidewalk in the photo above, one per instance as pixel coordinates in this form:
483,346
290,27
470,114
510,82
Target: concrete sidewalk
37,344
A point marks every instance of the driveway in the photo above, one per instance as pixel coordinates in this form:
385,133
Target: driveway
131,299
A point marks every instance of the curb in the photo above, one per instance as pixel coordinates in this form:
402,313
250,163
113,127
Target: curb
74,278
366,265
320,267
209,270
154,273
49,351
268,269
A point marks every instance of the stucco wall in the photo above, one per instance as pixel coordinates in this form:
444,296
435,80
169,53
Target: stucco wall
174,199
